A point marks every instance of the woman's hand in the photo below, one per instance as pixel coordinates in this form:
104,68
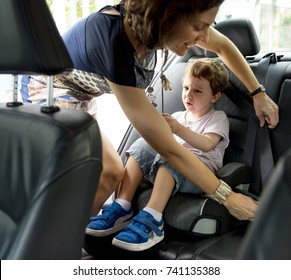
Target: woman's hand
266,110
240,206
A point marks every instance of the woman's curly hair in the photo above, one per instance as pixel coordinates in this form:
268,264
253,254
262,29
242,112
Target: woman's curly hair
150,20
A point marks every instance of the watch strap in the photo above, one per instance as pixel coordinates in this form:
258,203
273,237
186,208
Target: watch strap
261,88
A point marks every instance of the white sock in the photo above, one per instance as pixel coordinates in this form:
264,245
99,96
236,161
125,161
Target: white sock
156,214
123,203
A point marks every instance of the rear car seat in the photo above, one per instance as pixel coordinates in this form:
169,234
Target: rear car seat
269,237
277,80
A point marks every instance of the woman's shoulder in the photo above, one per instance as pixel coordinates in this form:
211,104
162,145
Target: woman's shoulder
105,27
116,10
109,16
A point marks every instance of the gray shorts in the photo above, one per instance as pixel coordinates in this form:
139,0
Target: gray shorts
149,161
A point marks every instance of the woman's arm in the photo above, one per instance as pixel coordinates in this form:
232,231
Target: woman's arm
266,109
154,129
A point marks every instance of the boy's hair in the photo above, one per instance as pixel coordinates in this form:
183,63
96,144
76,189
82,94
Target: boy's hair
210,69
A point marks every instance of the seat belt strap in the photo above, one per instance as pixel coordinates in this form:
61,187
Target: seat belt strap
257,138
266,155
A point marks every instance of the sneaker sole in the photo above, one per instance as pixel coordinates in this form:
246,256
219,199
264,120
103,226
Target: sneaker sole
137,247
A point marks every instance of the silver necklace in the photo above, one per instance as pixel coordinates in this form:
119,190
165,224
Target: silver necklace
164,80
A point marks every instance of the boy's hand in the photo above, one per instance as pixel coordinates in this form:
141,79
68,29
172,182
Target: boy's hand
172,122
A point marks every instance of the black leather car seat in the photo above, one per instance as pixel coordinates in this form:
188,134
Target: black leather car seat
50,161
269,238
263,235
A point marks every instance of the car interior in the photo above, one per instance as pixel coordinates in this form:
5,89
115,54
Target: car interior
51,158
197,227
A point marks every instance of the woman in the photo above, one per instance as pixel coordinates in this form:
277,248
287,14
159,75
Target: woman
118,45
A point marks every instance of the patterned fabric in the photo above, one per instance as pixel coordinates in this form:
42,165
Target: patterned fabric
76,90
98,44
99,50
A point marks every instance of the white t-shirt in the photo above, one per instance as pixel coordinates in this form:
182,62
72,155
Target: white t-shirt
213,122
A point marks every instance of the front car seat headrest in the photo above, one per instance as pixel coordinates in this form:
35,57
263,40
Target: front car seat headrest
30,40
242,33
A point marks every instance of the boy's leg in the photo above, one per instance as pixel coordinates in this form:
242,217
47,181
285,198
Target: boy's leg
131,180
118,215
147,228
114,217
139,162
163,187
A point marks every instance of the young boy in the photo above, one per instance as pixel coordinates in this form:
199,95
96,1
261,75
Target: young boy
200,129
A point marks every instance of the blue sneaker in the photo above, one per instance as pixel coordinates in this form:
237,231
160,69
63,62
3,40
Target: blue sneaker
141,234
112,219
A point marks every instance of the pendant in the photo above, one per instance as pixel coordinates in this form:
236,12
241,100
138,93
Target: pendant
150,95
150,89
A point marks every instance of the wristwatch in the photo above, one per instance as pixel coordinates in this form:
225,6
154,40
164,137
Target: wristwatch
261,88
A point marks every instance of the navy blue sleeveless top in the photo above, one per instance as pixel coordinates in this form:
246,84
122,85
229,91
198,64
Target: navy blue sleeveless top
98,44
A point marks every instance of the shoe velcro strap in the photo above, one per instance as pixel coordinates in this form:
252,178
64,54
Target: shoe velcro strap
103,216
97,218
149,224
136,230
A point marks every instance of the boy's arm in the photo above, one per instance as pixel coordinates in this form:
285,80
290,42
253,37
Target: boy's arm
204,142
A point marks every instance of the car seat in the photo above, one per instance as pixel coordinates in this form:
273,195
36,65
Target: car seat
257,147
268,238
238,156
50,159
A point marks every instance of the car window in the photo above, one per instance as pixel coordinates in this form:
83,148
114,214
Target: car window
271,18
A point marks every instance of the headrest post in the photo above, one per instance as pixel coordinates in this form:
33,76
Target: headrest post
15,87
50,88
50,108
15,101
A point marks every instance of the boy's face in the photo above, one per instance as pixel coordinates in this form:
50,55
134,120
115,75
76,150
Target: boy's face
197,95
